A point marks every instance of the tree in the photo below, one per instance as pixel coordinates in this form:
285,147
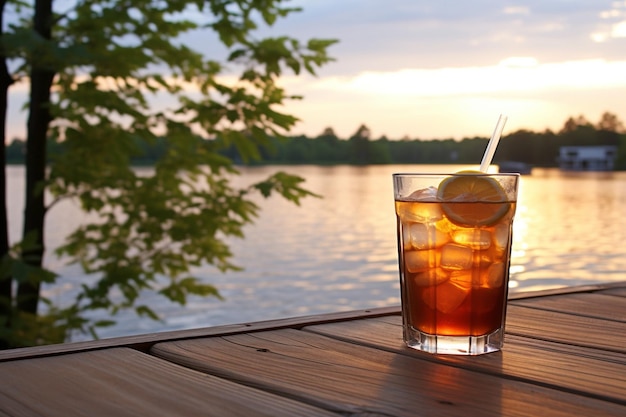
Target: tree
572,124
95,69
610,122
360,145
329,148
379,151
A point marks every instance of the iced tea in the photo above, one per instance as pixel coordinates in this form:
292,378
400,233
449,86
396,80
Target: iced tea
454,249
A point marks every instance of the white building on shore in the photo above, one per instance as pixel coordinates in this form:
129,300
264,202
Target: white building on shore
587,158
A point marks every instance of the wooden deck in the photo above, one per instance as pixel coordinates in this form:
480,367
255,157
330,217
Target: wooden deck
564,355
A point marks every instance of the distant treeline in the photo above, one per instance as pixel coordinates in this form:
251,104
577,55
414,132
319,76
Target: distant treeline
538,149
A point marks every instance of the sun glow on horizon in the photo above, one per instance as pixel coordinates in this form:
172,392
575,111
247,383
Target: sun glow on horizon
450,102
511,75
461,102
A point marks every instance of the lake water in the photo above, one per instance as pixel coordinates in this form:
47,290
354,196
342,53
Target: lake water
338,253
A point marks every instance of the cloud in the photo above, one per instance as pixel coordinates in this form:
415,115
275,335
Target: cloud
385,36
514,75
544,60
619,30
521,10
616,27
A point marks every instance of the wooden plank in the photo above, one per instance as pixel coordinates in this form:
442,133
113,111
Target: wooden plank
618,292
579,370
545,344
353,378
145,341
585,304
123,382
569,290
566,328
588,332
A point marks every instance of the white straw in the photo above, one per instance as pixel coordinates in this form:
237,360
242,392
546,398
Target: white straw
493,144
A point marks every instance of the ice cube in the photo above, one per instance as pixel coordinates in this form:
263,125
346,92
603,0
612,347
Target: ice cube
421,206
425,194
425,236
420,260
420,212
462,279
406,236
478,239
456,257
445,226
433,276
501,236
493,277
446,297
484,258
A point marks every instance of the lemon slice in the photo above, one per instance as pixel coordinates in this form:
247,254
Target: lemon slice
471,199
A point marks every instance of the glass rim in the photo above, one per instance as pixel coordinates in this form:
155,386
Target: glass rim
457,174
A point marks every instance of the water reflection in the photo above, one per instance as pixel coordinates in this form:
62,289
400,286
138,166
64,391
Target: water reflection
569,229
339,252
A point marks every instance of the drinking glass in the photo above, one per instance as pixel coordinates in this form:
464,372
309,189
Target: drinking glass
454,248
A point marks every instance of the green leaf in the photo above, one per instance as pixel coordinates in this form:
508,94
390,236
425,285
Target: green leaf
286,185
104,323
108,63
192,286
145,311
24,272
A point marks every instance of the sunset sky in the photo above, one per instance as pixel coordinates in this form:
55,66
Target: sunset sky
435,69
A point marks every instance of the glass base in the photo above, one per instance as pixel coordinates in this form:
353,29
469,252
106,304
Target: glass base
454,345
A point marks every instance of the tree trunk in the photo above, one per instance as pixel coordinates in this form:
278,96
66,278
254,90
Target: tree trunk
39,118
6,296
